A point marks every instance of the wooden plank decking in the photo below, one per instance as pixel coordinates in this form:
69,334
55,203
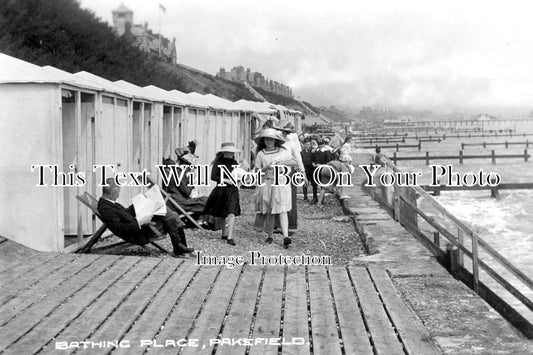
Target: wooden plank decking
52,301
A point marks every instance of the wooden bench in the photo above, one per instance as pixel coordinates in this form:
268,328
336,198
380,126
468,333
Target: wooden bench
92,203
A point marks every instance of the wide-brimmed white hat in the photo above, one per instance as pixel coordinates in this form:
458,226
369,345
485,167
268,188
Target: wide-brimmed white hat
270,133
228,147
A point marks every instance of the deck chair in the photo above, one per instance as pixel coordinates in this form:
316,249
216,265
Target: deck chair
182,213
92,203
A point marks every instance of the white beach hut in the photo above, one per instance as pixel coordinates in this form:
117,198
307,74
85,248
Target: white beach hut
47,119
171,130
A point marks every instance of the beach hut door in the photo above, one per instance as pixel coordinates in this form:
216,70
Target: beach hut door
78,136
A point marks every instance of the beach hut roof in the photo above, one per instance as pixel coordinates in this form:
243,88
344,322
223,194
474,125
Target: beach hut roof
107,85
211,101
14,70
181,96
204,101
68,78
260,107
222,102
166,96
138,92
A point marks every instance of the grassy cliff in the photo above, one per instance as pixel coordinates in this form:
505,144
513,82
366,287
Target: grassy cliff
62,34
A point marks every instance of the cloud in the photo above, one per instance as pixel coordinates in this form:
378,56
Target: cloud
351,53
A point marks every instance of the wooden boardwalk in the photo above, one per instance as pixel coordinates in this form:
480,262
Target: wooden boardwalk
51,303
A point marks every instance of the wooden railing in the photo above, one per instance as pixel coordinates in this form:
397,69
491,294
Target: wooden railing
401,202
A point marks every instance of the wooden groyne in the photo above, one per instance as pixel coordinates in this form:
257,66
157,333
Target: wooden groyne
437,136
485,144
436,190
395,146
455,123
461,157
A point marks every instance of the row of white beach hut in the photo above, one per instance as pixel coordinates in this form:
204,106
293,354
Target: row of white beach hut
75,121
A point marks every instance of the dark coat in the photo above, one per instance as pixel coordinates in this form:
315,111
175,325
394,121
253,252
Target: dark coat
321,157
181,194
121,221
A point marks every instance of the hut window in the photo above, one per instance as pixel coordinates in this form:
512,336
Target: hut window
107,100
87,98
122,103
192,111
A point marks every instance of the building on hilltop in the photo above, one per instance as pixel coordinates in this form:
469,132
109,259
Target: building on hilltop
143,36
255,79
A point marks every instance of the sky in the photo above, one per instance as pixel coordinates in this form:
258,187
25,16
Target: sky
444,56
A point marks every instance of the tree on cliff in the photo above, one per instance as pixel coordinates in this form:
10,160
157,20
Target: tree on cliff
61,34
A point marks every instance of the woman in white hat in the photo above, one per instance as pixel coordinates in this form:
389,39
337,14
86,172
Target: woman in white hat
273,200
223,202
292,144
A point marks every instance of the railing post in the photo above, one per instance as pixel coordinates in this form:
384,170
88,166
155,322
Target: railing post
460,240
396,202
460,157
436,239
453,255
493,154
525,155
427,158
475,262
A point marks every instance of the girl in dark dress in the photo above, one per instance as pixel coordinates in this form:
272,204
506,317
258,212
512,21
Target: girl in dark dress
223,202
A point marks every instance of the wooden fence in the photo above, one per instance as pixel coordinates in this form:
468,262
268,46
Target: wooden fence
401,202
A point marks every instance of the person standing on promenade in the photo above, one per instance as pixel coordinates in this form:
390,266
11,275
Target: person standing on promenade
272,200
321,156
307,160
223,202
292,144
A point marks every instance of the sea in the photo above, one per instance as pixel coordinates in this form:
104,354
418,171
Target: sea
506,223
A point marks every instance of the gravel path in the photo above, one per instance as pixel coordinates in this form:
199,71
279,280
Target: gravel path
322,231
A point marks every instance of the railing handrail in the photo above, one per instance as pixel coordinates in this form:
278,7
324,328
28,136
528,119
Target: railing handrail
484,245
449,236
